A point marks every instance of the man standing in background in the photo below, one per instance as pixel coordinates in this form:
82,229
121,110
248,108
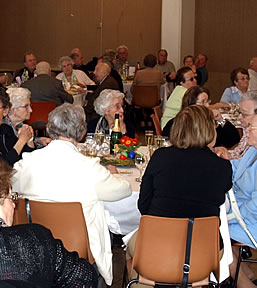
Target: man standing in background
167,68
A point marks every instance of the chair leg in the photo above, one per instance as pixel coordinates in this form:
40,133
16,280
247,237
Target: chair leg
238,266
125,277
131,282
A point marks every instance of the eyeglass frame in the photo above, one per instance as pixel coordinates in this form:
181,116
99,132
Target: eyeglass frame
203,103
27,106
191,79
245,115
250,127
13,197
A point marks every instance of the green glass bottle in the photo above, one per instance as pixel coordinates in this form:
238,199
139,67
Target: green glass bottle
116,134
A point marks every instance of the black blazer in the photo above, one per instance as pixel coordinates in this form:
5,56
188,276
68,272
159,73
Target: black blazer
183,183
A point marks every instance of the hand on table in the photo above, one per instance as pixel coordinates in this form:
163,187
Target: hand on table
172,75
217,115
222,152
44,140
112,169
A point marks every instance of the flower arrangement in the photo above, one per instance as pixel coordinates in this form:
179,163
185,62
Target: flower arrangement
127,147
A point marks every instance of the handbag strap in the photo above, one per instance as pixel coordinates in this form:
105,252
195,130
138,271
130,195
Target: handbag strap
188,250
27,205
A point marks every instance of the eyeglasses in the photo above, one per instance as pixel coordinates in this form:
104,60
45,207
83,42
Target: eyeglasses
190,79
203,102
119,106
245,115
244,79
13,197
250,127
25,106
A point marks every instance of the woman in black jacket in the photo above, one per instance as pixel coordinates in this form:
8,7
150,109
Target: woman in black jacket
12,146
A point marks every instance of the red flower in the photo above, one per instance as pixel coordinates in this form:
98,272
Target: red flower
135,142
128,142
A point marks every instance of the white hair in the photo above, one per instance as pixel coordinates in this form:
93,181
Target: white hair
122,47
68,121
43,67
18,95
65,58
105,100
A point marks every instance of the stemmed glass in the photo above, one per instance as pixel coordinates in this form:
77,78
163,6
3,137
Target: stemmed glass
140,162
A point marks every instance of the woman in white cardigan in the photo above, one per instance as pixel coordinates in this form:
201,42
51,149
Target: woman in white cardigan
59,172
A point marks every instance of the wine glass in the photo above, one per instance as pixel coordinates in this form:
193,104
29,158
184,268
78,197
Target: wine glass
140,162
149,137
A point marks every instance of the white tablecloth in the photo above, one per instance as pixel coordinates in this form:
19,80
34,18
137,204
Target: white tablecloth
164,93
79,99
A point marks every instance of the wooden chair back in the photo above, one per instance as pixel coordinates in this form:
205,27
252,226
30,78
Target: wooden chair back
160,249
158,112
65,220
39,116
146,96
157,125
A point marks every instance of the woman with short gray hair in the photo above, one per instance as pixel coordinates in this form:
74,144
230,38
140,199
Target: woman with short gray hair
67,121
13,144
73,77
19,112
107,104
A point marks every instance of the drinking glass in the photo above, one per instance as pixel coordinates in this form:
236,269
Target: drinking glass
158,141
140,162
99,137
149,137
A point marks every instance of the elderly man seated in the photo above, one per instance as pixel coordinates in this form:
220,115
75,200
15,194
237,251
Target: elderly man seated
122,57
105,81
28,72
166,67
44,88
78,59
59,172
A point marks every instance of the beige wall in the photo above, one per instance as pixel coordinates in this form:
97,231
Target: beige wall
226,32
51,28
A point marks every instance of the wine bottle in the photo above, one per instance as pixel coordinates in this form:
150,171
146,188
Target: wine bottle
138,66
116,134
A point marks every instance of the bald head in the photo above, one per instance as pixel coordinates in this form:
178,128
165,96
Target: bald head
43,67
102,70
77,57
253,64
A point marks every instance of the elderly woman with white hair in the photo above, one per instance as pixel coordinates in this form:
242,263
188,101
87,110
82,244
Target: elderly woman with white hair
74,77
59,172
107,104
20,111
14,140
